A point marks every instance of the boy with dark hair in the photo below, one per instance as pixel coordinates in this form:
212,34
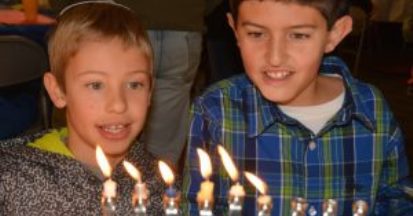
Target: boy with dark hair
298,119
101,75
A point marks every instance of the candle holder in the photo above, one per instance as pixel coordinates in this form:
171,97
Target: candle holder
299,206
205,208
264,205
140,199
108,206
235,205
360,208
330,207
171,200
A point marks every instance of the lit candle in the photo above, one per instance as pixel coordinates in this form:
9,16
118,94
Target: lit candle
330,207
299,206
109,186
171,197
360,208
205,196
140,193
236,192
264,201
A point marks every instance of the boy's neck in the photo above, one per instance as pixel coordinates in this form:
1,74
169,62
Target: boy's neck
323,90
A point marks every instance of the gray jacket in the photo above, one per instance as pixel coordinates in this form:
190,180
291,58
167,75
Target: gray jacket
36,182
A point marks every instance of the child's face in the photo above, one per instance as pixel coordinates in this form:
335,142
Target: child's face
107,97
282,45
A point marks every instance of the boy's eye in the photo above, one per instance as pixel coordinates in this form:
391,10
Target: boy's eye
135,85
300,36
254,34
94,85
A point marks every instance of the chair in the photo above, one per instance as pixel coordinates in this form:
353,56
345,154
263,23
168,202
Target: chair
22,61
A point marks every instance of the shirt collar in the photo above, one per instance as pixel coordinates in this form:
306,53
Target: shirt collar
262,113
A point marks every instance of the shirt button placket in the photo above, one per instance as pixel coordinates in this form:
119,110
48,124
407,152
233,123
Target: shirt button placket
312,145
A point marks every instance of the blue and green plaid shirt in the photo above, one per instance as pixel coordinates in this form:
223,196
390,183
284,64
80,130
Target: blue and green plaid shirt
359,154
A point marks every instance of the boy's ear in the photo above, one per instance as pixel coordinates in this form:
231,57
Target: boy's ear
231,23
53,89
341,28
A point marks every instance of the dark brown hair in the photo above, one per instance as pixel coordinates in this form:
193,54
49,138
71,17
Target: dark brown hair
331,10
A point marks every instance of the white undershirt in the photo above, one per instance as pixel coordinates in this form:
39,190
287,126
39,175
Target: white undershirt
315,117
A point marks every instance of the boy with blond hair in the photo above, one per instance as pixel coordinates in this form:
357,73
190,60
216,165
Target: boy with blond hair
298,119
101,74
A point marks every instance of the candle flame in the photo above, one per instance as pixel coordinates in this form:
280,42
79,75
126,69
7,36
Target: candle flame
257,182
103,162
166,173
205,163
133,171
228,163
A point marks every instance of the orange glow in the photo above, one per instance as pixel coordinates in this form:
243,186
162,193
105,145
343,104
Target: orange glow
133,171
103,162
257,182
205,163
228,163
166,172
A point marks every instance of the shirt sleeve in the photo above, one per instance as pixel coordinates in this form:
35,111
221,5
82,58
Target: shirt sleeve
393,197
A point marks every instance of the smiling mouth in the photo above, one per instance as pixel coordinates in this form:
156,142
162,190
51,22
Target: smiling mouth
115,131
278,74
114,128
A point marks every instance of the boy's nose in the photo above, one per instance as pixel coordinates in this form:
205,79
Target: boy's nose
276,52
117,101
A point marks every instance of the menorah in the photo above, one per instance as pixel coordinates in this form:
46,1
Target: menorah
205,196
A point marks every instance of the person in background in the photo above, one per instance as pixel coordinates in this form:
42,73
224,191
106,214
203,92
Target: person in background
101,75
224,58
175,30
298,119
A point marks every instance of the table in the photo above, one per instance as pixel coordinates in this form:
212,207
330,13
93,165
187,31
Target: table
12,22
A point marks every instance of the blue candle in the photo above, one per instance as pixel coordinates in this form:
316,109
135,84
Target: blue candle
170,192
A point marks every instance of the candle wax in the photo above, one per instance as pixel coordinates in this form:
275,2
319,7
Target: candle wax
264,200
237,190
141,191
170,192
206,192
109,188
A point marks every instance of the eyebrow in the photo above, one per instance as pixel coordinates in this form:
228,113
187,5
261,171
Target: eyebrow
299,26
88,72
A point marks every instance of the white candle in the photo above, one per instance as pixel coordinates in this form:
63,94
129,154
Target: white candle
141,192
237,190
264,200
109,188
206,193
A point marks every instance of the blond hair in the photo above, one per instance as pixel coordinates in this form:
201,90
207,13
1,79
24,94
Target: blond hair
94,21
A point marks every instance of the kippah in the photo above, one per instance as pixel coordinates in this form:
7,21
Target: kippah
111,2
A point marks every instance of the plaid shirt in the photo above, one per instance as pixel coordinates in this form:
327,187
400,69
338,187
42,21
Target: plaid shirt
359,153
